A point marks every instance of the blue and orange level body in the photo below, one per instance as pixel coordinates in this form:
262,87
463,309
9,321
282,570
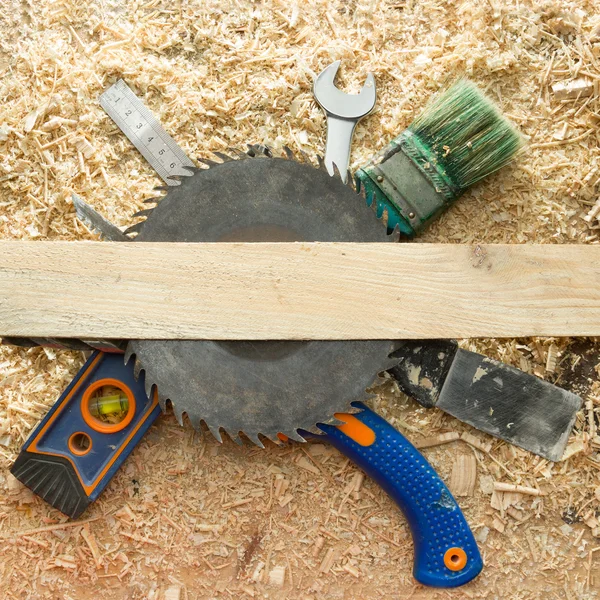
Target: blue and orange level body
71,476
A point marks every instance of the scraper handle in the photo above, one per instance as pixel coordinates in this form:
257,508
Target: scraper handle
445,551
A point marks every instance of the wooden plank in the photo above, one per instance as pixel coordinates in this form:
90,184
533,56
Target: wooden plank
297,291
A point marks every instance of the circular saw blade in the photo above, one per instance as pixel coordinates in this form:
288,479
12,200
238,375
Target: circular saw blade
261,387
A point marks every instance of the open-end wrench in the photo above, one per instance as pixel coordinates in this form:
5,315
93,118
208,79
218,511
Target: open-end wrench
343,112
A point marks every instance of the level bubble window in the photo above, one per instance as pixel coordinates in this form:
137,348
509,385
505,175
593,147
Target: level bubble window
108,405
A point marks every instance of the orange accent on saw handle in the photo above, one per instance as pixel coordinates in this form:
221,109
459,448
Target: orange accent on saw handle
351,427
455,559
362,434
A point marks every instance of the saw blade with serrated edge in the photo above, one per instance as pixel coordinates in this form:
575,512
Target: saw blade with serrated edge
261,387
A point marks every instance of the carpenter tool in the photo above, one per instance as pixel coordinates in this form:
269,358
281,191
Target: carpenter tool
79,445
459,139
343,112
69,459
489,395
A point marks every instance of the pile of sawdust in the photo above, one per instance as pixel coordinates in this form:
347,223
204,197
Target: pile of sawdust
187,518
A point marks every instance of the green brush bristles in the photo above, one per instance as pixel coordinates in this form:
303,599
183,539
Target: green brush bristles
467,135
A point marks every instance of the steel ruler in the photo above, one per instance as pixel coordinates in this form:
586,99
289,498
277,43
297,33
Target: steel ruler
145,132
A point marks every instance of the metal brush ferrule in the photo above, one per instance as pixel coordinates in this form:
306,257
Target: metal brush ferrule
405,176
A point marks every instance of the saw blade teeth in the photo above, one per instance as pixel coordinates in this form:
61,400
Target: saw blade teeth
396,234
135,228
321,163
127,354
363,194
336,171
334,421
237,153
350,181
154,200
209,163
162,401
385,216
289,154
255,150
224,157
253,437
137,369
294,435
191,170
142,213
195,422
148,386
161,188
178,414
304,157
235,437
216,432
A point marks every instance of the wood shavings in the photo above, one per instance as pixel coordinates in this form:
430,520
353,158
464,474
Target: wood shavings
580,88
90,540
518,489
173,592
498,524
464,475
82,146
277,576
437,440
474,441
573,449
219,75
328,560
551,358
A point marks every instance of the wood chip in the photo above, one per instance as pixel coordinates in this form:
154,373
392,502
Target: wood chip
437,440
305,464
464,475
328,560
579,88
277,576
173,592
475,442
551,358
318,546
90,540
576,447
498,524
519,489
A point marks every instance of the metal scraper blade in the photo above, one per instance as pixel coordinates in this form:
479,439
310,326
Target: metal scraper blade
510,404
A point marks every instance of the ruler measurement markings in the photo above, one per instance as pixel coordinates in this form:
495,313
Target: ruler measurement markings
145,132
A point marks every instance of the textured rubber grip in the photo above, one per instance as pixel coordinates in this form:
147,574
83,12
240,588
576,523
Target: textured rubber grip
445,551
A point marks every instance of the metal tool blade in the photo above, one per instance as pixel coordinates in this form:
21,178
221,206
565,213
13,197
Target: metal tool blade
262,387
489,395
97,222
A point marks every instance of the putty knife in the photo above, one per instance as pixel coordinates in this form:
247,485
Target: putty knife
489,395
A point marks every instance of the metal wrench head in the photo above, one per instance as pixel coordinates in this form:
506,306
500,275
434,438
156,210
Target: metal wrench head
339,104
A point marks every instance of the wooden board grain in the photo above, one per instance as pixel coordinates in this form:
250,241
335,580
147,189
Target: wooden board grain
297,291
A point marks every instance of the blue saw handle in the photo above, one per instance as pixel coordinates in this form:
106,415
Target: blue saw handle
445,551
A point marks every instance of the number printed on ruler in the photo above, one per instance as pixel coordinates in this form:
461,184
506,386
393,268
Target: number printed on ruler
145,132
